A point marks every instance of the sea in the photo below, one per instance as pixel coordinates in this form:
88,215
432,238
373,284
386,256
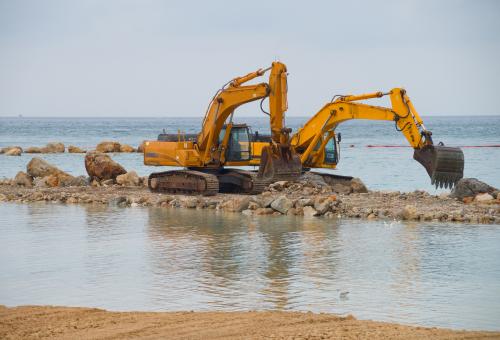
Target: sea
168,259
371,150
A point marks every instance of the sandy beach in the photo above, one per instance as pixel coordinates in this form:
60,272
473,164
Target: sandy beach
47,322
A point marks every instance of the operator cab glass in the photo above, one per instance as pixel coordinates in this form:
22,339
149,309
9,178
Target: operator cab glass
238,146
331,151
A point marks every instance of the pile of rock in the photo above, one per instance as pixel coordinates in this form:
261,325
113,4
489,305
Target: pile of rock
40,173
104,171
473,190
57,147
54,147
314,183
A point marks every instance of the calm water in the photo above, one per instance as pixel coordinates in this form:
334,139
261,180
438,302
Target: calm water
380,168
445,275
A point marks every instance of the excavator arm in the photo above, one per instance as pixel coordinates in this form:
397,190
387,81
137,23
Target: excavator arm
443,164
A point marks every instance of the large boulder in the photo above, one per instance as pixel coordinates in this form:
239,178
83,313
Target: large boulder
23,179
75,149
130,179
236,204
47,175
101,167
108,146
38,167
126,148
470,187
282,204
55,147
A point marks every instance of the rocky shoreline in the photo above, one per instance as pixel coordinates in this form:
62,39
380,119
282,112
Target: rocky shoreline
311,196
279,200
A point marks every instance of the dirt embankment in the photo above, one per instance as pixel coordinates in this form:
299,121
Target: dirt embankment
44,322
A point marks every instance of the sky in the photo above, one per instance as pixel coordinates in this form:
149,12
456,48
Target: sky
151,58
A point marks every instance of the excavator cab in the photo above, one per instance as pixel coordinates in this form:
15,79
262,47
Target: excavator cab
238,144
332,151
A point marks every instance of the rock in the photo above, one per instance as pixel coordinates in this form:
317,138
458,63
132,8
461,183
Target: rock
467,199
247,212
140,148
23,179
13,152
322,204
70,181
9,148
108,182
264,211
189,202
265,201
39,167
33,149
314,178
278,186
485,197
253,205
282,204
309,211
3,198
75,149
470,187
100,166
409,212
129,179
53,148
108,146
341,188
39,182
126,148
291,212
304,202
236,204
358,186
144,181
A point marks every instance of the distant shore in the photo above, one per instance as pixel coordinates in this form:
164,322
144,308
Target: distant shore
48,322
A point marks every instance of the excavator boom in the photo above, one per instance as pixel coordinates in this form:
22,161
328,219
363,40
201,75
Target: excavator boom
443,164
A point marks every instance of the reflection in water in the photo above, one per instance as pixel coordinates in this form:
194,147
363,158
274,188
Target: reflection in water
176,259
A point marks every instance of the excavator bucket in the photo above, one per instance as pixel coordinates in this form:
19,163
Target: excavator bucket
279,163
445,165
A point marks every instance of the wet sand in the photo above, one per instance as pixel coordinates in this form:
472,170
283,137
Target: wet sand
47,322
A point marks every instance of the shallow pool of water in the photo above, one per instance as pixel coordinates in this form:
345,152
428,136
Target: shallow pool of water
445,275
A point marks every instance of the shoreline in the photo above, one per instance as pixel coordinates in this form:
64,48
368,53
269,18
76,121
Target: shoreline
40,322
306,201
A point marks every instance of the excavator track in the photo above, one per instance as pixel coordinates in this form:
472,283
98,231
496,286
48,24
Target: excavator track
184,182
241,181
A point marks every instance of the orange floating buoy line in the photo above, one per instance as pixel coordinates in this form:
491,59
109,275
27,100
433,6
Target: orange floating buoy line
408,146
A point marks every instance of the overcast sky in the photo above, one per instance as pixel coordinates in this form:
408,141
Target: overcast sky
167,58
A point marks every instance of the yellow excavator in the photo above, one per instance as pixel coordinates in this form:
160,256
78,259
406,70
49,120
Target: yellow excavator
317,145
205,157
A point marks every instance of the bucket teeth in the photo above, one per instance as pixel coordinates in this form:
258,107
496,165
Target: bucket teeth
445,165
